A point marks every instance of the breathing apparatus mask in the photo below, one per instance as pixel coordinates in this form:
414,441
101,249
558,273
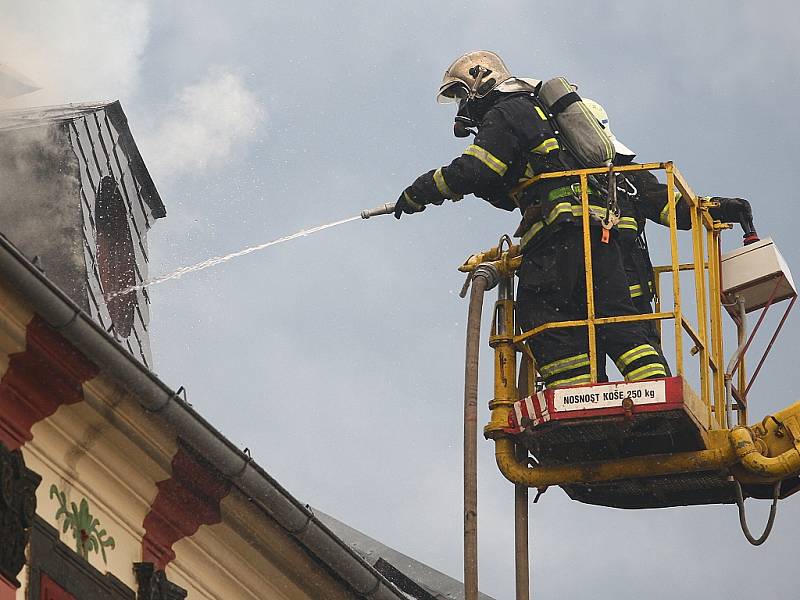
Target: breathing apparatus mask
470,112
467,83
464,123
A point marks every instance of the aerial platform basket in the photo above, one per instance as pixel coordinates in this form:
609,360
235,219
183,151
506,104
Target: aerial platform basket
609,421
654,443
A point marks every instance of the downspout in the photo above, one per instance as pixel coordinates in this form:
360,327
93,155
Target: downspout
59,311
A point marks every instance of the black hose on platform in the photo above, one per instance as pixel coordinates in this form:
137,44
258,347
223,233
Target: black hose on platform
743,518
484,277
471,439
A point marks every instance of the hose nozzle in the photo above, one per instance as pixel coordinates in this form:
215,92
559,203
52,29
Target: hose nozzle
383,209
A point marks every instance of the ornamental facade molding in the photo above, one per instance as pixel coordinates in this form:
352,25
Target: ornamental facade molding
17,509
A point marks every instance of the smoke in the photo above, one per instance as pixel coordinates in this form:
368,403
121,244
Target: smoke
93,50
74,51
200,126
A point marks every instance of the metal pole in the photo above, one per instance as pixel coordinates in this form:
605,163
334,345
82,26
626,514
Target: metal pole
741,417
676,280
737,361
587,258
715,308
700,298
521,527
521,558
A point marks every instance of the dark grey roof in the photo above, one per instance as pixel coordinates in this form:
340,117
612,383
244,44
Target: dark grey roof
430,584
43,115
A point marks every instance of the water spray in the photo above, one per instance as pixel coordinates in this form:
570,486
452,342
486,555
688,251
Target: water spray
384,209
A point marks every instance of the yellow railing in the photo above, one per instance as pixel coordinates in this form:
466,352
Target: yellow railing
766,452
705,333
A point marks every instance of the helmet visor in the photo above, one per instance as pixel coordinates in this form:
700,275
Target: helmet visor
453,91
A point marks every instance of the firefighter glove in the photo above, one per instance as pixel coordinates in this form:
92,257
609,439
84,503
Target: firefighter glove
736,210
731,210
406,205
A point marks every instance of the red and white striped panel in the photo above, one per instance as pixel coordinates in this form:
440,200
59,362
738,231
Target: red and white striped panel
530,410
596,400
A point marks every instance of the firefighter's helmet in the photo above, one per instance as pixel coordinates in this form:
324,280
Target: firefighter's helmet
602,116
472,75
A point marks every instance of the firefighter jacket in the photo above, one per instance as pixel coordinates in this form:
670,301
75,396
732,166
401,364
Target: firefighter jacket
515,141
642,197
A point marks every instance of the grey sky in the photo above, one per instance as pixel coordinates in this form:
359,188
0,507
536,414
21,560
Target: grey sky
338,358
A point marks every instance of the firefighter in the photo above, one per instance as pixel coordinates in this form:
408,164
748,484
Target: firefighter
514,141
641,198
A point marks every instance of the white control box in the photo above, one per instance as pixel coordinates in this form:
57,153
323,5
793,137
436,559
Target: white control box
755,272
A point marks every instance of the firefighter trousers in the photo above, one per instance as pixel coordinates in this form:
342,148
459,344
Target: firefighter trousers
643,307
552,287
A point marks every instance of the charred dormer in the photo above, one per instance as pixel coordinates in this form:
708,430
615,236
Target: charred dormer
76,195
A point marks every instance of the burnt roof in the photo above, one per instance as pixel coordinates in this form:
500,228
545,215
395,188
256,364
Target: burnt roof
43,115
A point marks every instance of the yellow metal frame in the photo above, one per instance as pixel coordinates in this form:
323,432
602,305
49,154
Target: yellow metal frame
763,453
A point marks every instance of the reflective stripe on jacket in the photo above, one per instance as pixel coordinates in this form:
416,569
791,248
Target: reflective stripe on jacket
512,129
561,205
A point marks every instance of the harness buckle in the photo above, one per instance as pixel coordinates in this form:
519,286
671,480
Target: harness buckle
610,221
